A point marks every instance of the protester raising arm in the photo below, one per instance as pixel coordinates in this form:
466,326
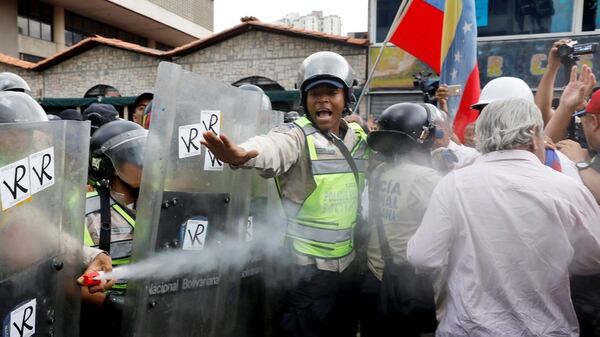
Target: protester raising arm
573,98
545,92
441,96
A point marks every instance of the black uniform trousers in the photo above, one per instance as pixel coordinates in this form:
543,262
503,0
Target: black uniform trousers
319,303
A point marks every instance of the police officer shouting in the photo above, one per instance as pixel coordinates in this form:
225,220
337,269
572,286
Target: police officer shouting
318,162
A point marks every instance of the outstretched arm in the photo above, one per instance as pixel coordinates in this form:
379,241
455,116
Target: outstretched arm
225,150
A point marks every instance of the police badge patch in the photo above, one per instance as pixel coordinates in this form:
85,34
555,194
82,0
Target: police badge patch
284,128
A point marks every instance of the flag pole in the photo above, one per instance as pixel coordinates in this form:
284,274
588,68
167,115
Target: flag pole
393,27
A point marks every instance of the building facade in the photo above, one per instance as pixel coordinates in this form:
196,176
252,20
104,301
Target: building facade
33,29
262,54
315,21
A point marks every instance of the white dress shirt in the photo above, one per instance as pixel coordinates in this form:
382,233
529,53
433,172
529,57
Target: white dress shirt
464,154
510,230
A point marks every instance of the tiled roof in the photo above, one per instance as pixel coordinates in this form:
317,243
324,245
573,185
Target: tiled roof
91,42
269,27
15,62
96,40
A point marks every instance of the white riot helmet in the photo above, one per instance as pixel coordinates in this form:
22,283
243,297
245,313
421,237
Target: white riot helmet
326,67
266,101
503,88
13,82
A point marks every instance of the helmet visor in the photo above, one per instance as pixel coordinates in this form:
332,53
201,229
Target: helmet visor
126,153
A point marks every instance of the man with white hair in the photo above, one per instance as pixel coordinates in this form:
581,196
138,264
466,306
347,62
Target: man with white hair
510,231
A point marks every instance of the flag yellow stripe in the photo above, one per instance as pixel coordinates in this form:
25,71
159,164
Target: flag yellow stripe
452,12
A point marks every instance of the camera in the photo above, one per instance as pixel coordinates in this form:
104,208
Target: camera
428,85
568,52
575,133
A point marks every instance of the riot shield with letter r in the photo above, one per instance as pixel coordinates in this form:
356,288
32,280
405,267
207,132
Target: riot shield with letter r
193,207
43,174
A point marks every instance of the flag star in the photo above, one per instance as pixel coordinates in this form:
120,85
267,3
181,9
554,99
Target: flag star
457,56
467,27
453,74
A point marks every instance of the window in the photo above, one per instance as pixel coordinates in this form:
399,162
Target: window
30,58
78,28
516,17
591,15
386,12
102,90
35,19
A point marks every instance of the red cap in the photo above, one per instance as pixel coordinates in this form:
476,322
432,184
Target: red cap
593,106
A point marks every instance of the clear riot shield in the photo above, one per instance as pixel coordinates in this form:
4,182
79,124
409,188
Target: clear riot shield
259,292
192,206
43,174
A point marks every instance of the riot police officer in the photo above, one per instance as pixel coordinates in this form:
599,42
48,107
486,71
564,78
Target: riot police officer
18,107
13,82
37,238
318,162
399,191
116,158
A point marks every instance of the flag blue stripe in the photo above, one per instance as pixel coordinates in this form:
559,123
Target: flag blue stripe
462,54
439,4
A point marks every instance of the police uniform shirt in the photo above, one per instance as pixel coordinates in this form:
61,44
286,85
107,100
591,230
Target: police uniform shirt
120,229
283,152
401,192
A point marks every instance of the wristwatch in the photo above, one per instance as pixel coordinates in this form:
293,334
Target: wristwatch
582,165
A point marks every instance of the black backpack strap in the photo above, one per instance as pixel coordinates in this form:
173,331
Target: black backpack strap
105,224
348,156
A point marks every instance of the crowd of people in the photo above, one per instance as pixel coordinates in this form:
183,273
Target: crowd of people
401,230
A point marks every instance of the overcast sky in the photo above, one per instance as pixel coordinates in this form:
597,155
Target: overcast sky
353,12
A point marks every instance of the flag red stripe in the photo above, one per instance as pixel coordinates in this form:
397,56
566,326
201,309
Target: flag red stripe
419,33
465,115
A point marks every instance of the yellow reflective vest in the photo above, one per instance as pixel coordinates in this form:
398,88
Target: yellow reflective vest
323,227
120,250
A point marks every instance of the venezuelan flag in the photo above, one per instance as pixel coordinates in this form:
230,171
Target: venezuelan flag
419,31
443,35
459,60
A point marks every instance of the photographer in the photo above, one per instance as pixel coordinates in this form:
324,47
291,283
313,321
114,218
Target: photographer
588,166
567,52
545,92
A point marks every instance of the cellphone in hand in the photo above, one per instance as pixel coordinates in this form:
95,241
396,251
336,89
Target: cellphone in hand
454,90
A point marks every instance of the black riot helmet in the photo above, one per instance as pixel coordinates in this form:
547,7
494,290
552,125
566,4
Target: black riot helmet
117,148
326,67
404,127
13,82
16,107
99,114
